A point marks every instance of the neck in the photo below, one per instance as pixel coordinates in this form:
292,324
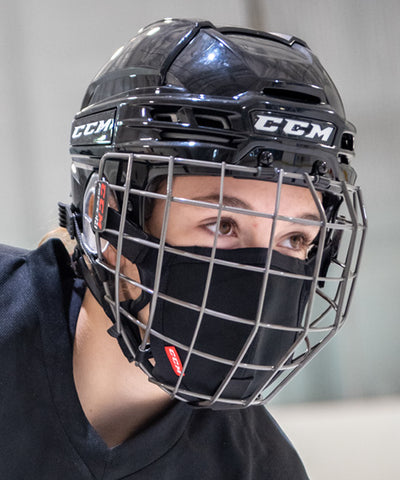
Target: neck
116,396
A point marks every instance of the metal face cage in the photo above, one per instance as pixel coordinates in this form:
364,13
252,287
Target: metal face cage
252,352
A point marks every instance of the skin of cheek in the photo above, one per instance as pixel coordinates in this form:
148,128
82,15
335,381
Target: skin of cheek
129,269
127,290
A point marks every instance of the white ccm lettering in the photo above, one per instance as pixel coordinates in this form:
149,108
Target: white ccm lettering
291,126
93,128
78,131
90,128
317,131
174,359
268,124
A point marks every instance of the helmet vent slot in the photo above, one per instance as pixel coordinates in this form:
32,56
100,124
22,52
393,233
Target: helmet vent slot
193,137
193,118
166,117
347,142
212,121
292,95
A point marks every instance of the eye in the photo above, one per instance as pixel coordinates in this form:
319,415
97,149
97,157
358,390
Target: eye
227,227
298,243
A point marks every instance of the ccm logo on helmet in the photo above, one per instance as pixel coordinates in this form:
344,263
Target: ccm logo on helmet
93,129
284,126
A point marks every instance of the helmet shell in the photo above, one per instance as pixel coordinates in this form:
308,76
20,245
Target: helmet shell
188,89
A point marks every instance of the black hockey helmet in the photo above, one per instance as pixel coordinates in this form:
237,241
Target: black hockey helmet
187,98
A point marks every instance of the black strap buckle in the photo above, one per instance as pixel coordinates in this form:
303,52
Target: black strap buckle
66,218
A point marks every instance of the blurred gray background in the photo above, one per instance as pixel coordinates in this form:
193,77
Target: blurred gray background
49,52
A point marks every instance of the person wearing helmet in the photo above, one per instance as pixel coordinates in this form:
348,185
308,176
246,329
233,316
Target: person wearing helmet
218,235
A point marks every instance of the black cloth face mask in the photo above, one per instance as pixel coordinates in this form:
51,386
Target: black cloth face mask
219,339
233,292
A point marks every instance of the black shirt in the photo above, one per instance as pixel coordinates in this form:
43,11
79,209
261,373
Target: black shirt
44,432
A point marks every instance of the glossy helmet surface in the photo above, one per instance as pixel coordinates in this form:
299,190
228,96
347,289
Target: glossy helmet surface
186,98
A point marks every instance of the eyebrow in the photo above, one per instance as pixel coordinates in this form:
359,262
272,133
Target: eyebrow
235,202
310,216
227,201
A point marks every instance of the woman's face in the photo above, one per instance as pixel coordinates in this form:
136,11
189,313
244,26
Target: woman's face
190,225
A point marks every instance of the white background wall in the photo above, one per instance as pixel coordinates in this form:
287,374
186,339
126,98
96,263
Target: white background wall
49,51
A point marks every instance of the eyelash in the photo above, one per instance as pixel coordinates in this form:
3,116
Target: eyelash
306,241
211,227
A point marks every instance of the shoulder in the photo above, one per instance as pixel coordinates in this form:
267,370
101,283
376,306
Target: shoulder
50,254
28,278
250,441
11,258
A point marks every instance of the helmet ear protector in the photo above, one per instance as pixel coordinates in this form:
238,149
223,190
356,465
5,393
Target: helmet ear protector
225,328
88,237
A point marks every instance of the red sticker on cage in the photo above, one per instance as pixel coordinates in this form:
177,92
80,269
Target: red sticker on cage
174,360
100,206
